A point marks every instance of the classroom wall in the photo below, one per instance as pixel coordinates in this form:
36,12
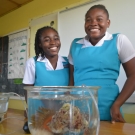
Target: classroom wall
20,18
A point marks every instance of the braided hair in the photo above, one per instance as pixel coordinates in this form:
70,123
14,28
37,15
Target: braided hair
38,50
99,6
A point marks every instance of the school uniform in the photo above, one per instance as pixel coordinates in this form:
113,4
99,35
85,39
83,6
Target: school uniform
99,65
41,73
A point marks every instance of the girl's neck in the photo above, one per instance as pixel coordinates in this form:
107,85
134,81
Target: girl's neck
53,60
94,41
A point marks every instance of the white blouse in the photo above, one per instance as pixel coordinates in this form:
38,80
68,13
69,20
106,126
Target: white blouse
125,48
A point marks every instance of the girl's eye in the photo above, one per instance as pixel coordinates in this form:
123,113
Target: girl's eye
99,19
56,38
87,19
47,40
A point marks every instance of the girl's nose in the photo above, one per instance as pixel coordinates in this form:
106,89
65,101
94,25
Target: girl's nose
93,22
52,41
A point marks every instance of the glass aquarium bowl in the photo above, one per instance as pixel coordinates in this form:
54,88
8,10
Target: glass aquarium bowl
63,110
3,105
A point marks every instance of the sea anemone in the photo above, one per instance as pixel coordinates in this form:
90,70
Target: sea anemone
67,118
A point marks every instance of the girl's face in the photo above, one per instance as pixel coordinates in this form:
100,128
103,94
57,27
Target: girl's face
96,24
50,42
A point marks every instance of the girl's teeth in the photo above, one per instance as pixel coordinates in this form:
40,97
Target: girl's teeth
53,48
94,30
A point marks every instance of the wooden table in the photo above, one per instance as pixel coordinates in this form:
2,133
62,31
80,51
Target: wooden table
106,128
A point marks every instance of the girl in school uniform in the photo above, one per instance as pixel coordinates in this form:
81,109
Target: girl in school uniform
95,61
47,68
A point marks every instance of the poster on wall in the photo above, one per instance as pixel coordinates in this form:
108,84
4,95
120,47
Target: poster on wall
17,54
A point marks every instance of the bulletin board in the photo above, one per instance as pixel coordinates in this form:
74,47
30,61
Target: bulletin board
17,54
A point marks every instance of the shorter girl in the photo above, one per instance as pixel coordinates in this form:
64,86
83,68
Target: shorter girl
47,68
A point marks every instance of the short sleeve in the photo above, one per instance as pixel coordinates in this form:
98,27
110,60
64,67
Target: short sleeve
125,48
29,74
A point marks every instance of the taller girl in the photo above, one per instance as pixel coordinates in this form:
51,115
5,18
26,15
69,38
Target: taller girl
96,58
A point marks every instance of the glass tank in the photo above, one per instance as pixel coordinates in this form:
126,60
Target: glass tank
3,105
63,110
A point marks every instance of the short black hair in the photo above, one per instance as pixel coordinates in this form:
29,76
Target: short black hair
38,49
100,7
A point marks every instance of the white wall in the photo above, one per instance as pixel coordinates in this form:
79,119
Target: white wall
71,24
37,23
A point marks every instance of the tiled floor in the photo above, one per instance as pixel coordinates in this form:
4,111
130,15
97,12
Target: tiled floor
129,112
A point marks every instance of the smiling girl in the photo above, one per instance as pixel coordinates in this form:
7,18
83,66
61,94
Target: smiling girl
47,68
102,54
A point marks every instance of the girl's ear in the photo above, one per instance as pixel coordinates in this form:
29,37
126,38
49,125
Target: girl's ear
108,22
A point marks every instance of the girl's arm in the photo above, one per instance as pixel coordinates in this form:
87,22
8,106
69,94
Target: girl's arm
71,76
128,89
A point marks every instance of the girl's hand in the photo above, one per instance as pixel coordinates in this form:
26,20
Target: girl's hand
116,115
